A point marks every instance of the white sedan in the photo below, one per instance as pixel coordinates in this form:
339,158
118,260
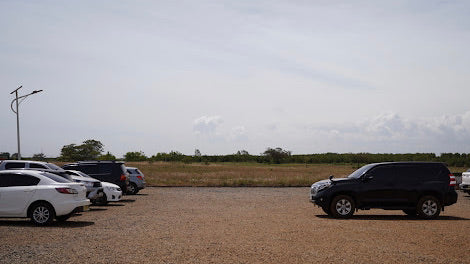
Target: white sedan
39,195
112,192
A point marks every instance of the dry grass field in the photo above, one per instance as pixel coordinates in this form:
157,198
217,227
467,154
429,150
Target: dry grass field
237,174
241,174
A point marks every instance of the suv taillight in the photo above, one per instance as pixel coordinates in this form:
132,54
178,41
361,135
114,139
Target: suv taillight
123,177
452,181
140,177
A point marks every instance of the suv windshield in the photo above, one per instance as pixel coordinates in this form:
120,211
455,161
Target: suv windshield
359,172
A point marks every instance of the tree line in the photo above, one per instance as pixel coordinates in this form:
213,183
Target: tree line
93,150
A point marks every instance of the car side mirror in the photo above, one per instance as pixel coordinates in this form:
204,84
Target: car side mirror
331,177
367,177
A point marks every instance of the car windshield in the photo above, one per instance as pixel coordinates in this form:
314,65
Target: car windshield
54,177
359,172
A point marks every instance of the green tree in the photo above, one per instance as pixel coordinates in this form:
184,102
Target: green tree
39,156
276,155
107,156
89,150
135,156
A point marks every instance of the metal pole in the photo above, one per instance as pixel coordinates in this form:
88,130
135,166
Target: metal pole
18,126
18,115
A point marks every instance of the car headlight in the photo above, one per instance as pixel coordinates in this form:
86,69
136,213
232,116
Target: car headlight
316,187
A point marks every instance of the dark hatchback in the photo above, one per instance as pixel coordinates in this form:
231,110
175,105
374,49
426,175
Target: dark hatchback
107,171
417,188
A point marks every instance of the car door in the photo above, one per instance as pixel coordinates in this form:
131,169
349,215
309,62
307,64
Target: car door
16,192
377,188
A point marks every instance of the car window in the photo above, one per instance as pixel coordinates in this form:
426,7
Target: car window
35,165
11,180
55,177
382,174
53,166
89,168
15,165
106,168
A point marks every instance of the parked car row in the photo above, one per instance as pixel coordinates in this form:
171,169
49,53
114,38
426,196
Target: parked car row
43,191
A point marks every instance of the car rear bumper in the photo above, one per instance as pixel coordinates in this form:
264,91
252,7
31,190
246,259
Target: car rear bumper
450,198
67,207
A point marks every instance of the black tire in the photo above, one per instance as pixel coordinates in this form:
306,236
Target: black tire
410,212
132,188
428,207
103,200
342,206
41,214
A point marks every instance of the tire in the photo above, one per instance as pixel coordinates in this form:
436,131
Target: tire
428,207
103,200
410,212
41,214
342,206
132,188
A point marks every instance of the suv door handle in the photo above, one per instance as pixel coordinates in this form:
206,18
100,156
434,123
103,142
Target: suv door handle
28,190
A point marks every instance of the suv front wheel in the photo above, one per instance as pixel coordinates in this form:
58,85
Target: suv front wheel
428,207
342,206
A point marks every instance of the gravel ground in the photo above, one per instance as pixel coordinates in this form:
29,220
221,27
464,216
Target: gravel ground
237,225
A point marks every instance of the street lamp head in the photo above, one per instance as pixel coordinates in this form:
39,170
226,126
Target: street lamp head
36,91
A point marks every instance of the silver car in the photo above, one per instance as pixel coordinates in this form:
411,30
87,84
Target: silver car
136,180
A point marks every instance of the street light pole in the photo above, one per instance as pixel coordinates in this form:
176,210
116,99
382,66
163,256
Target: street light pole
18,114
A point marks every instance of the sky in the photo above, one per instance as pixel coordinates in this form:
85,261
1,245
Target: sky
222,76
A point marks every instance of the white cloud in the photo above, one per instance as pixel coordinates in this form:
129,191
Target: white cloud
207,125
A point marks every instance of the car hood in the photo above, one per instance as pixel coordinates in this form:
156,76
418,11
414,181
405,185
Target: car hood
108,184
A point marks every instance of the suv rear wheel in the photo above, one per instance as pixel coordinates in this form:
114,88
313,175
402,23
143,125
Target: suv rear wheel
342,206
428,207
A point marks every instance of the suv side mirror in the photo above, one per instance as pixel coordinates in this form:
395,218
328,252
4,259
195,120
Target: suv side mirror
367,177
331,177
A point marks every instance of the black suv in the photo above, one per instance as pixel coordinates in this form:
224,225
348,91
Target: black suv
107,171
417,188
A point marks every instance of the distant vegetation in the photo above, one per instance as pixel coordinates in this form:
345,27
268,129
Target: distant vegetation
93,149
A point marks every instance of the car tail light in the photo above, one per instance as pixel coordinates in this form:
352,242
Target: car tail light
123,177
140,177
66,190
452,181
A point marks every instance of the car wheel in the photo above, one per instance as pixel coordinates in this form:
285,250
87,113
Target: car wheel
103,200
342,206
428,207
410,212
132,188
42,214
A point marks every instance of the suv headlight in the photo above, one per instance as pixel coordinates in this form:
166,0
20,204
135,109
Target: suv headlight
316,187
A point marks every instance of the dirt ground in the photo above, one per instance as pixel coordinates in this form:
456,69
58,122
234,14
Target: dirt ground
237,225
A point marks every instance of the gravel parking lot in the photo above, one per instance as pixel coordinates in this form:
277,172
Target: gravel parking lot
237,225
